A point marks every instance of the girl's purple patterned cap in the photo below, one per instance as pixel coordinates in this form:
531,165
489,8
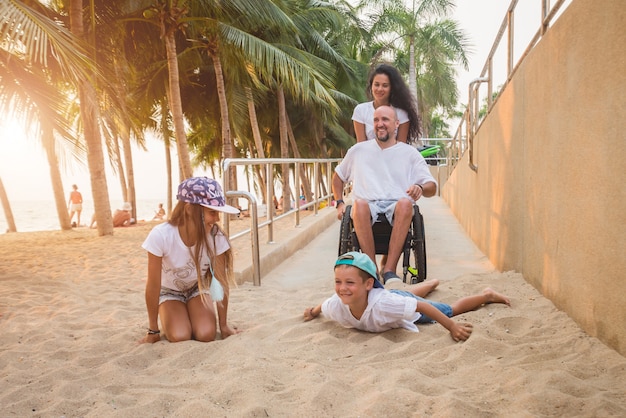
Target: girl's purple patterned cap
205,192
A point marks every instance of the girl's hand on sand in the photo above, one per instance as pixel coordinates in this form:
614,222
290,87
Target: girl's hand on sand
150,339
461,332
227,331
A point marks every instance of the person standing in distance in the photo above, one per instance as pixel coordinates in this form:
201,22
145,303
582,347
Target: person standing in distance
75,204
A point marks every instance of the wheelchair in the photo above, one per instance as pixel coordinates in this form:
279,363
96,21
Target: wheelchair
413,253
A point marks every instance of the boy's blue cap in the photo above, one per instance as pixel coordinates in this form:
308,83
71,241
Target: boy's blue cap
360,261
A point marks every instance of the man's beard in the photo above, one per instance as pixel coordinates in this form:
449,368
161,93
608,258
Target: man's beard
383,138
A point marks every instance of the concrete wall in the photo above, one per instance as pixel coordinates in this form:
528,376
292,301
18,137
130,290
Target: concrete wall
549,198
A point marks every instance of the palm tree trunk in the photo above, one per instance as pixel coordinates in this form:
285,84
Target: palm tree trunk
128,187
47,137
89,118
176,105
258,142
120,167
304,177
284,147
413,81
168,155
227,145
6,206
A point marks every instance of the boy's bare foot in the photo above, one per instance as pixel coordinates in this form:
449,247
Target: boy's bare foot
495,297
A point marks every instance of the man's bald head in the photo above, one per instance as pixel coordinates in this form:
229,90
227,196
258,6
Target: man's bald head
385,123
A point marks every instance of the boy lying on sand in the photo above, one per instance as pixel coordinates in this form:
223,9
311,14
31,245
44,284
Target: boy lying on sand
361,302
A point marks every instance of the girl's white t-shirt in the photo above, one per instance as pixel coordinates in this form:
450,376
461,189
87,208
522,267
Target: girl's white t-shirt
178,269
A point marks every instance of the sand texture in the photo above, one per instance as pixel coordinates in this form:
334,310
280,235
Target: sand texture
72,308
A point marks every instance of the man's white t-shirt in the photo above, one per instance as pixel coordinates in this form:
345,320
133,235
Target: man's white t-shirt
364,113
383,174
178,269
385,311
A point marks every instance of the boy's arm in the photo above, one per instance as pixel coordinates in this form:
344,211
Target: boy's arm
310,313
458,331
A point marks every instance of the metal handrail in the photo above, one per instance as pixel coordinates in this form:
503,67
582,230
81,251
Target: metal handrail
472,120
268,164
254,233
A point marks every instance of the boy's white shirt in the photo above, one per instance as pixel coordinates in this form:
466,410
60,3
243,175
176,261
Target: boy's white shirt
384,311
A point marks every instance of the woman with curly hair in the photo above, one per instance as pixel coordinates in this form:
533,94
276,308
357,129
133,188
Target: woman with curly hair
387,88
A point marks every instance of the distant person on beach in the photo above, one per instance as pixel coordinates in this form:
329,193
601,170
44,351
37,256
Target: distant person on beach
123,217
75,205
361,302
190,266
159,213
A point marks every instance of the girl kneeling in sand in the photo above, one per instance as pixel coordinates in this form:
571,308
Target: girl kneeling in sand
190,266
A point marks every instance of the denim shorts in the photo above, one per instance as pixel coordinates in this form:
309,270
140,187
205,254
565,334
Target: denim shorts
184,297
424,319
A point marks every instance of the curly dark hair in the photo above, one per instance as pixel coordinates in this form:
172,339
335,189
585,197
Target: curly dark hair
400,97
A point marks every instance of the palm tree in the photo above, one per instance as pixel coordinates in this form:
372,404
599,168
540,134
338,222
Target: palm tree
39,53
171,15
91,131
424,45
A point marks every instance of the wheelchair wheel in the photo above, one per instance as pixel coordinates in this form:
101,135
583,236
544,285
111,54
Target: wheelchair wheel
418,245
345,233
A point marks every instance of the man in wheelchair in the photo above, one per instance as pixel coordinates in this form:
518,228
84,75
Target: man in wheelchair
388,176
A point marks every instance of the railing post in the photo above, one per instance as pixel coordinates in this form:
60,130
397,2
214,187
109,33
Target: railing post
226,221
269,182
472,118
254,233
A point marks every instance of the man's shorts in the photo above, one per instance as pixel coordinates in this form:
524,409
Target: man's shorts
384,207
424,319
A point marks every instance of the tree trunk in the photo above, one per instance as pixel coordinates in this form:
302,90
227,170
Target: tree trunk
120,168
47,137
89,118
168,155
284,148
176,106
321,143
258,142
413,81
6,206
227,145
129,191
304,177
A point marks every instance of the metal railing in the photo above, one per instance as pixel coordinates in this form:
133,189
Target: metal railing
473,116
319,179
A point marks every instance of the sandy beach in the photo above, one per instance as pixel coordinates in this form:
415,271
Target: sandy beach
72,309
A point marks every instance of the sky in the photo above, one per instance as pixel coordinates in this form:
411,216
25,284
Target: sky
24,168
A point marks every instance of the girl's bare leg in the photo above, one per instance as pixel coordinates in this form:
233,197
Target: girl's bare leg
203,320
175,324
471,303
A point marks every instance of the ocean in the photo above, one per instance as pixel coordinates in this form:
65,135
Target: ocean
41,215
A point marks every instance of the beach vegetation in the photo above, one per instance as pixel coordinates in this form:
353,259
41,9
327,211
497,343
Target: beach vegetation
244,78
